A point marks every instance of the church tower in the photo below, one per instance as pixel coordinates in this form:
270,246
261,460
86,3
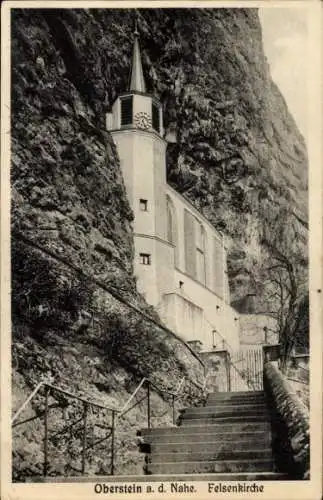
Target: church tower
136,125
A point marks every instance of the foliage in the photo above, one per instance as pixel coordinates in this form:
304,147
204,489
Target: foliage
137,345
42,295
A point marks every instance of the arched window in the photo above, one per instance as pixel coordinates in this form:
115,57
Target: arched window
172,236
195,247
200,253
218,270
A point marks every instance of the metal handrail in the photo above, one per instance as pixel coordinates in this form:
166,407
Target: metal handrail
298,381
166,391
79,398
217,332
132,396
30,397
180,385
86,404
248,382
173,394
111,290
63,391
116,414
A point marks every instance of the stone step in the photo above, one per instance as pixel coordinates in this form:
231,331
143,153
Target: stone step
234,394
254,443
209,455
225,410
222,419
225,476
185,438
224,414
233,466
238,427
240,399
235,402
225,402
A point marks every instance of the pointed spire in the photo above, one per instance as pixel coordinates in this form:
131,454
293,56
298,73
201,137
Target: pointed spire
137,81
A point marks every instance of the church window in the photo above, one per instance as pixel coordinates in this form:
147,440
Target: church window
172,228
190,244
126,110
145,259
170,225
195,247
155,117
200,253
218,266
143,205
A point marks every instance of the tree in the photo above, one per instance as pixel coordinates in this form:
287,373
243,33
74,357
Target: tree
284,279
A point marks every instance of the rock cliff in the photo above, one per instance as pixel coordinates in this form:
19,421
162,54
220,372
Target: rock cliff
234,151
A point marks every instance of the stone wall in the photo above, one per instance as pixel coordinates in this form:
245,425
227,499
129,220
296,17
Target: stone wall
216,370
252,329
291,441
298,375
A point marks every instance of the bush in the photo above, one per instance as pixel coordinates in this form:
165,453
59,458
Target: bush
44,295
134,344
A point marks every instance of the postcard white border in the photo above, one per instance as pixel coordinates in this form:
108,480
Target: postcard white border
301,490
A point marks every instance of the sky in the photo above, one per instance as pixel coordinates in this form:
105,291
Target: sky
285,45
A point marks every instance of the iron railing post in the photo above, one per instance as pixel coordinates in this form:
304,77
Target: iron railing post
173,406
112,441
85,410
46,432
228,371
148,404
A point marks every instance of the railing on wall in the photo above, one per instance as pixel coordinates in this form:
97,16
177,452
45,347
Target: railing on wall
249,377
114,416
298,374
81,423
248,364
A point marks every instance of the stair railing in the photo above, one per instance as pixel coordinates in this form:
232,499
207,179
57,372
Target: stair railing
226,345
30,397
87,405
132,396
174,395
115,415
248,381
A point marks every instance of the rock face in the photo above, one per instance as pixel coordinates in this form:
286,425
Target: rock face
71,224
235,152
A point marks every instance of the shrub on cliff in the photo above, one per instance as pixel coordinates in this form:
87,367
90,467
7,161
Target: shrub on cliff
137,345
43,296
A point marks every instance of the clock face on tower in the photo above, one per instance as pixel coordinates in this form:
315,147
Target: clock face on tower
142,120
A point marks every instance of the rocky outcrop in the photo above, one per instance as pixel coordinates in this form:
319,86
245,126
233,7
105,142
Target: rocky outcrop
238,154
235,150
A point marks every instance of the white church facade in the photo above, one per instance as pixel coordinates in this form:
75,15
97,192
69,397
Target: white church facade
180,259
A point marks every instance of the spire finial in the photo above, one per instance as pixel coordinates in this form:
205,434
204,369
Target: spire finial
137,81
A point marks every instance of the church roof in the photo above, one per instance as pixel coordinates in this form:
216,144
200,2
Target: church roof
137,81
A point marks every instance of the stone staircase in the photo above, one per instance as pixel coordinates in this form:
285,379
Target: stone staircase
227,439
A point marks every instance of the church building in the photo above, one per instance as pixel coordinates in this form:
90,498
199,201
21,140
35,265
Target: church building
180,259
